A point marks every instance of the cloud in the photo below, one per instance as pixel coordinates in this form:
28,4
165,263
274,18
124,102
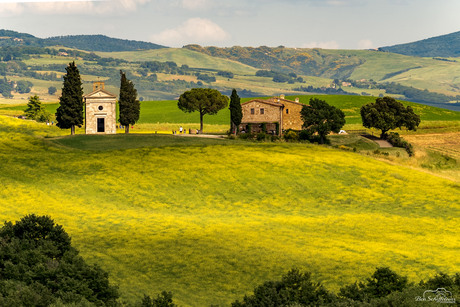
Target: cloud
13,7
365,44
323,45
9,9
195,4
337,3
194,30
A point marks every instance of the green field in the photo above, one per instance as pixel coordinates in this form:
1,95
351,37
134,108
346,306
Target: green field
162,112
210,219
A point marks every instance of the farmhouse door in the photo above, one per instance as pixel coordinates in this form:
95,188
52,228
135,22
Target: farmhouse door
101,125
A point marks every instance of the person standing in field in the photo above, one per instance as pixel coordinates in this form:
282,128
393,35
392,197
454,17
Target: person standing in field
180,129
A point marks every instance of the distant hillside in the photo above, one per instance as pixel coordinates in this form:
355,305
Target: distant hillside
100,43
13,38
311,62
82,42
440,46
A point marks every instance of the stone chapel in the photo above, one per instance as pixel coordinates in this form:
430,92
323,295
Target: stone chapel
100,111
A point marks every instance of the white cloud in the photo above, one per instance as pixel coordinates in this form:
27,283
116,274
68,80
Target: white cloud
365,44
194,30
9,9
323,45
195,4
337,3
68,6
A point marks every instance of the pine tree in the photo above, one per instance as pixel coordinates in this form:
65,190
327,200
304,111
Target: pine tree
34,106
236,114
70,112
128,104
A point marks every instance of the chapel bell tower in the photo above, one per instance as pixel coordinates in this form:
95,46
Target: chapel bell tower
100,110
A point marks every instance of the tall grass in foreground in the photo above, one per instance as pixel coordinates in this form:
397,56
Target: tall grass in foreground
210,221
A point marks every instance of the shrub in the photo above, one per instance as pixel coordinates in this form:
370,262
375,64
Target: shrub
291,136
395,140
245,136
39,266
261,136
294,289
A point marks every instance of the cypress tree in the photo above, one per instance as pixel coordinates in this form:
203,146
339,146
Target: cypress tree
128,104
70,112
236,114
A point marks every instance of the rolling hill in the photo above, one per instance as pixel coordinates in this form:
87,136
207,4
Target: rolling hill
82,42
440,46
165,73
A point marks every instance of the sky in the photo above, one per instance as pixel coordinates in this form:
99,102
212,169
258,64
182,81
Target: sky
329,24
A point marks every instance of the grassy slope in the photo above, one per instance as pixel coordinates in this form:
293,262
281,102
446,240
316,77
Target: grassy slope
435,75
210,221
181,57
153,112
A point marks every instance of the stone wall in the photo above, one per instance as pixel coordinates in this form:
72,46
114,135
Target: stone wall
100,108
271,112
291,115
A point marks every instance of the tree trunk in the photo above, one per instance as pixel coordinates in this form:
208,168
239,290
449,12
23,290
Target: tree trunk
72,130
383,136
201,122
321,139
126,128
233,128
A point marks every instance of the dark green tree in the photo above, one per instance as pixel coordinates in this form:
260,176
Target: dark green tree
162,300
52,90
382,282
34,107
322,118
70,112
23,87
387,114
236,114
203,100
294,289
36,111
39,267
128,104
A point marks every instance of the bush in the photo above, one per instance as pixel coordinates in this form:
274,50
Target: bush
245,136
395,140
294,289
262,136
39,266
291,136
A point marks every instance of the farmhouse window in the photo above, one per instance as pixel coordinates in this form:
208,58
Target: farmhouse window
252,111
262,111
287,111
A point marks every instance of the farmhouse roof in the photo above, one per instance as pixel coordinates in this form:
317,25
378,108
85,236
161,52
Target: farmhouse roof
100,93
276,101
268,101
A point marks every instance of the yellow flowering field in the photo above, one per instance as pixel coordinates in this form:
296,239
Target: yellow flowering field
210,220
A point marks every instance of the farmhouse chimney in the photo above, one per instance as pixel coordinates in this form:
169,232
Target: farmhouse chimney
98,85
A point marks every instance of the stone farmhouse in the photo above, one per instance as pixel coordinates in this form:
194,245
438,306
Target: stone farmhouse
100,111
274,115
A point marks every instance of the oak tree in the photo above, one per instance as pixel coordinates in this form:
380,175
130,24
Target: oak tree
322,118
387,114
